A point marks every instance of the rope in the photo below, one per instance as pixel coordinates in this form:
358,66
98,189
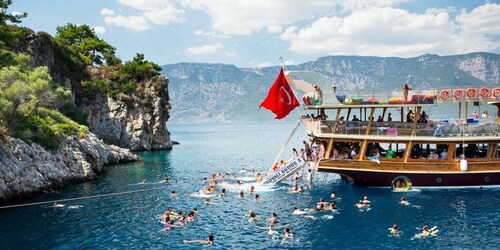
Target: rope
80,198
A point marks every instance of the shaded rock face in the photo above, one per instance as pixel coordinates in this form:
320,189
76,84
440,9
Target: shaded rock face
136,122
27,169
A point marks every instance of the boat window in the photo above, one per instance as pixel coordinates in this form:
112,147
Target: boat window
385,150
429,151
471,150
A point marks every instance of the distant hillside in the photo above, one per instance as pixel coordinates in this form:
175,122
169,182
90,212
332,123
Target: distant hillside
219,93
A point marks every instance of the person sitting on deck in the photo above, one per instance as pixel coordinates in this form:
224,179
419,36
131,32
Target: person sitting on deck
355,119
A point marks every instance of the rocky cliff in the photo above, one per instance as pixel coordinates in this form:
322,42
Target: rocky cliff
136,122
28,169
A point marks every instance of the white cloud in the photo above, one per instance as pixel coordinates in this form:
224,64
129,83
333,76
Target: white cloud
107,12
484,19
209,33
274,29
99,30
137,23
243,17
396,32
204,49
157,12
230,54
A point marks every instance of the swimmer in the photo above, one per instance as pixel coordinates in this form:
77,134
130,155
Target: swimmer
394,230
144,182
366,201
252,216
427,232
332,206
75,207
207,201
168,225
173,193
404,201
181,220
223,192
257,197
59,205
242,194
333,195
297,211
258,177
273,219
204,180
195,210
243,170
208,242
252,189
362,205
304,214
239,183
165,180
288,233
294,190
190,216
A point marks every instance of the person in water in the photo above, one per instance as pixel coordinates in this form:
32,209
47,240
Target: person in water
404,201
252,216
252,189
394,230
242,194
366,201
208,242
273,219
288,233
333,195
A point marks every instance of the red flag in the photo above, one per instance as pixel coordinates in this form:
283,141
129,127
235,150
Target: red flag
280,99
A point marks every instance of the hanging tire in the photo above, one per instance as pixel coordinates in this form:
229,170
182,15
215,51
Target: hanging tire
401,183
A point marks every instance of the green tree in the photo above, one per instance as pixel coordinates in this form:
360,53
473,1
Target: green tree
92,49
23,92
10,17
139,69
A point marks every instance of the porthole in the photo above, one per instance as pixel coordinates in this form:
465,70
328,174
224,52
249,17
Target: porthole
486,179
438,180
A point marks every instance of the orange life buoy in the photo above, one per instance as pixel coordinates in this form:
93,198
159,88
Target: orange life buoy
485,92
445,94
458,93
496,92
471,92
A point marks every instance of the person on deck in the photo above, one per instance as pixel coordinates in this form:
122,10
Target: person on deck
318,95
389,153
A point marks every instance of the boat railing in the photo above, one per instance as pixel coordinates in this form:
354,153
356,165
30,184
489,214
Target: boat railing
435,128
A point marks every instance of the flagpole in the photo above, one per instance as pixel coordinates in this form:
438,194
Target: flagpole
298,110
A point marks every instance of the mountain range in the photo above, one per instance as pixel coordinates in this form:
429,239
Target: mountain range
201,92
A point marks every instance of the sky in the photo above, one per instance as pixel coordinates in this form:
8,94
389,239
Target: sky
257,33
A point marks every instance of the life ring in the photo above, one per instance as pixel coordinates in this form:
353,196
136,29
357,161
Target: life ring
471,92
458,93
445,94
485,92
401,183
496,92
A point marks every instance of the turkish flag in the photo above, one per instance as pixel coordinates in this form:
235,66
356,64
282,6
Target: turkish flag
280,99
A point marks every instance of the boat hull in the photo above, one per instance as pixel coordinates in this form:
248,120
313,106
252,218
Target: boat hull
419,179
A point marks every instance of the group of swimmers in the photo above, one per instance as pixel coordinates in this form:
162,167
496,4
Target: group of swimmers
171,219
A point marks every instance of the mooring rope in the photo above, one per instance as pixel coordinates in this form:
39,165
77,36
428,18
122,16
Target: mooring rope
81,198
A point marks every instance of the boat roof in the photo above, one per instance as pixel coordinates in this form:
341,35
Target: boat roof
343,106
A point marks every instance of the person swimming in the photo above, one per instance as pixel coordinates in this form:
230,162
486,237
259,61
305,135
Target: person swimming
394,230
404,201
333,195
252,189
173,193
426,232
242,194
257,197
252,216
143,182
366,201
288,233
208,242
273,219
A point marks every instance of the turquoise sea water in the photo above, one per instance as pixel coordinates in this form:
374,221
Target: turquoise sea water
466,218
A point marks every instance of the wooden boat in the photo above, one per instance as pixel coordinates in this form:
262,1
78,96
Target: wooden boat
468,149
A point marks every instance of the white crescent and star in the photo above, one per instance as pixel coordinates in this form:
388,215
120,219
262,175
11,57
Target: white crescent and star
289,97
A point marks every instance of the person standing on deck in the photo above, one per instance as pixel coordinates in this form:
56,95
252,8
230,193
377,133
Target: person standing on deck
307,148
406,89
390,153
318,95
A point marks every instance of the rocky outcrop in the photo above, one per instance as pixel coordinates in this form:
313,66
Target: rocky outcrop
137,121
28,169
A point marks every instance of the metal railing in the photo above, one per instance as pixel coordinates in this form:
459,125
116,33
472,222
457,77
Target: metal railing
316,126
